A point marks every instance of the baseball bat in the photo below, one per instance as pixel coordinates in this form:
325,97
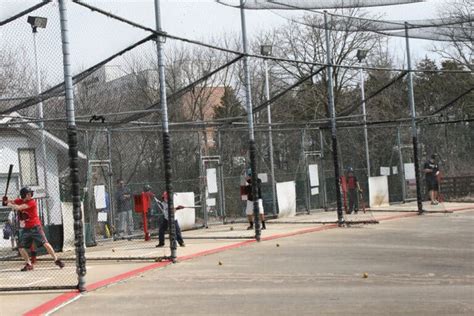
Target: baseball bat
187,206
5,197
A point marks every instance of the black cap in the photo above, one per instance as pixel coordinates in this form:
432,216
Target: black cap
24,191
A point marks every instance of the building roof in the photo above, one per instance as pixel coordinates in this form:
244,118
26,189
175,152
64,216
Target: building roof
57,142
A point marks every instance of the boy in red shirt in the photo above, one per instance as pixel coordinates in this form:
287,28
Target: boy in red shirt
353,189
32,231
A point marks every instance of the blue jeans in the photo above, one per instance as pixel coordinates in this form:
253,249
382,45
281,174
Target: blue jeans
164,227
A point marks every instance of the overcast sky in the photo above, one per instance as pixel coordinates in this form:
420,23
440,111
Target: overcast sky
94,37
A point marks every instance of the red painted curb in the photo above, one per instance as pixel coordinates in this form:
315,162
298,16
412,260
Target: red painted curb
216,250
48,306
388,218
64,298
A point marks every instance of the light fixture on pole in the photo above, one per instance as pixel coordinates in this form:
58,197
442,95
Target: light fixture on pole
266,50
40,22
361,55
37,22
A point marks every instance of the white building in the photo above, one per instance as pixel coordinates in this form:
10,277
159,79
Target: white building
21,146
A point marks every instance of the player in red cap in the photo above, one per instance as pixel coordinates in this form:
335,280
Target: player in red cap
32,231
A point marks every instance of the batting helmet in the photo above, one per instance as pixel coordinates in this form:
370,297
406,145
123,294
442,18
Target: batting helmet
24,191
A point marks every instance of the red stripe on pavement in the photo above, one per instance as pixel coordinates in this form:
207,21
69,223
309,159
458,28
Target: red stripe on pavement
398,216
303,231
64,298
216,250
126,275
55,302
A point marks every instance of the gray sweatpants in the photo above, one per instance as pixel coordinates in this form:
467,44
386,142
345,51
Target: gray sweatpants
126,222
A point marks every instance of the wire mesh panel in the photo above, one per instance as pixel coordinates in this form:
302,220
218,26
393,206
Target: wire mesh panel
45,232
38,250
123,146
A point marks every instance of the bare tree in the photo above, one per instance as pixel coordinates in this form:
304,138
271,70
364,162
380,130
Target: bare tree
460,48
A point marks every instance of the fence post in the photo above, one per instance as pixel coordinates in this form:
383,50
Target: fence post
73,151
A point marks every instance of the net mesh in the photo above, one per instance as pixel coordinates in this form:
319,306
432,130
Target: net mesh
442,34
451,29
313,4
120,81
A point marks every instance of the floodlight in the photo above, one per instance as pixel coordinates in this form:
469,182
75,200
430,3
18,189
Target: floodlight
37,22
266,49
361,54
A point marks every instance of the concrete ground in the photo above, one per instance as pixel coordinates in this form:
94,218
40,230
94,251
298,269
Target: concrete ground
415,265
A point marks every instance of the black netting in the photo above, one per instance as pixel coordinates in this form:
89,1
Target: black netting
313,4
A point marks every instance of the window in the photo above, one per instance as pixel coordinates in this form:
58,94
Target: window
28,172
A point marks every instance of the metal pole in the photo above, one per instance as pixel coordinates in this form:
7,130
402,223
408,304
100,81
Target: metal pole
306,174
221,178
332,111
411,100
73,151
364,114
323,176
202,182
41,123
402,166
166,134
111,220
248,103
270,137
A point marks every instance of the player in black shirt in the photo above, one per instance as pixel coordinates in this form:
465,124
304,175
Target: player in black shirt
431,170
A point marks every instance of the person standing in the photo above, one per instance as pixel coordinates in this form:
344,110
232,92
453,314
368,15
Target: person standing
32,231
163,205
123,198
250,199
431,170
353,190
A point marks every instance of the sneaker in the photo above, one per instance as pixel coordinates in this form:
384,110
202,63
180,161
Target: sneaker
59,263
250,227
27,267
182,244
160,245
264,226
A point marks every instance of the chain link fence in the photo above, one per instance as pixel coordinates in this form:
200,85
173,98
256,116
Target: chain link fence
120,139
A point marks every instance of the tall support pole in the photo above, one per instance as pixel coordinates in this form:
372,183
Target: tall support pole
364,114
166,133
41,116
270,137
111,181
73,151
402,166
411,101
248,103
221,178
332,111
323,176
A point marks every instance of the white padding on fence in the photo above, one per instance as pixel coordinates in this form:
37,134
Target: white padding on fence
187,216
378,189
286,193
68,225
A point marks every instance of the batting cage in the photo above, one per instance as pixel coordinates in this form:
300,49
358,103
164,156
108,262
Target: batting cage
119,139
